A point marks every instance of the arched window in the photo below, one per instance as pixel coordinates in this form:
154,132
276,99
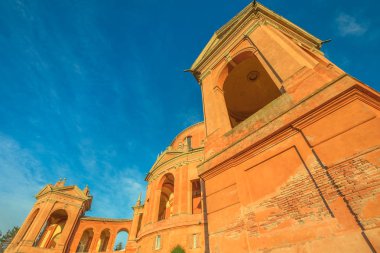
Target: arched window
247,88
85,240
121,240
167,197
52,230
103,240
27,225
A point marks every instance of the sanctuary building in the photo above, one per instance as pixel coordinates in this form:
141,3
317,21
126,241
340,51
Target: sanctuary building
286,160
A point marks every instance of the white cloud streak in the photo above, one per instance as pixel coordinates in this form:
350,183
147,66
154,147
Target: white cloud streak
115,190
189,117
117,193
349,26
21,176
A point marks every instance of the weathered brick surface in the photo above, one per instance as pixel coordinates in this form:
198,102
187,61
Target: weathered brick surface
358,180
297,201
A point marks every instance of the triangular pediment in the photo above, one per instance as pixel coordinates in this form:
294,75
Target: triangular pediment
69,191
166,156
44,190
259,13
219,34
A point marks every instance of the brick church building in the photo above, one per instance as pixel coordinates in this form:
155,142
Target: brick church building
286,160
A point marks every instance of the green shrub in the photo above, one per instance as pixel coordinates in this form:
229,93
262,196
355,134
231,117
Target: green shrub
177,249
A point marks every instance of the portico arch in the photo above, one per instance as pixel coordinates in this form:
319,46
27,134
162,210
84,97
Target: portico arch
121,239
103,240
85,241
51,232
166,185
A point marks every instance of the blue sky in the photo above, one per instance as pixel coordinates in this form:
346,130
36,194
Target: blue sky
93,90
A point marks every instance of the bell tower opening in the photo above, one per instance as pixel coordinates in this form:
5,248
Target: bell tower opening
247,88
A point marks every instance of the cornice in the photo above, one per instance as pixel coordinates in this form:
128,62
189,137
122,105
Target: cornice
163,225
263,144
357,91
60,201
88,218
220,43
63,194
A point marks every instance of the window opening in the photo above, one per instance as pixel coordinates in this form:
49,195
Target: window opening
195,241
247,89
196,196
188,142
157,243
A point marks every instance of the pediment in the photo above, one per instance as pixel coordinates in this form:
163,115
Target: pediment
260,14
168,156
69,191
44,190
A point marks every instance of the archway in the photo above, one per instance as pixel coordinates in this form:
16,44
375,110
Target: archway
52,230
247,87
103,240
121,240
167,197
85,241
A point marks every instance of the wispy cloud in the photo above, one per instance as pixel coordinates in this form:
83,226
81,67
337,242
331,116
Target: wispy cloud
115,189
350,26
21,176
117,193
189,117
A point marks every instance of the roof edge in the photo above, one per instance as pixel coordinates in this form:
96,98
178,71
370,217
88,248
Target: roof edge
223,33
89,218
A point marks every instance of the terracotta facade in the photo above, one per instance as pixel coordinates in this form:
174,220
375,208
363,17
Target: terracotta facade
287,159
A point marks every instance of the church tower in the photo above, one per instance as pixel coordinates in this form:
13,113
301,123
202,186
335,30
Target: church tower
255,59
292,142
286,160
52,221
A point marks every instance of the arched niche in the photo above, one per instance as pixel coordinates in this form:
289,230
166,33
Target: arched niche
51,232
247,86
121,240
85,240
165,209
103,240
